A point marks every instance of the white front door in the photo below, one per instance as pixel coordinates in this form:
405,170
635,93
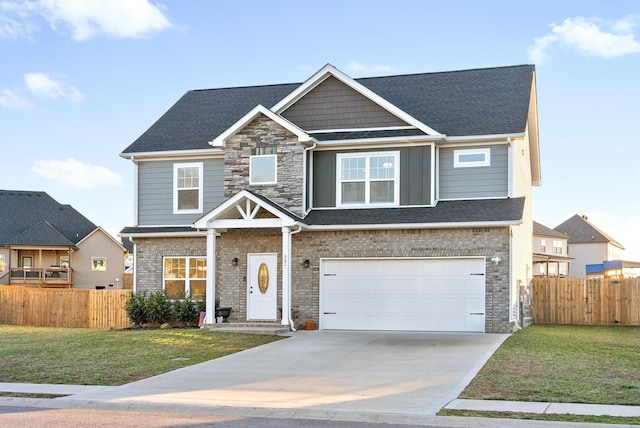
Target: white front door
262,280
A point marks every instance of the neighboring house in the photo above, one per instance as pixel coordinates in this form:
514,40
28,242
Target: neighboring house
588,244
387,203
46,244
550,252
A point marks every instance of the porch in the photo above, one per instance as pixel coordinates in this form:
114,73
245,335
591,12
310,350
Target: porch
46,277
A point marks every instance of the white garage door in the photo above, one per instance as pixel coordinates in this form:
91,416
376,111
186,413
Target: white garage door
402,294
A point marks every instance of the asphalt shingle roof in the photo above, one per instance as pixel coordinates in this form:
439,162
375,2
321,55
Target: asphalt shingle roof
470,211
457,103
579,231
35,218
542,230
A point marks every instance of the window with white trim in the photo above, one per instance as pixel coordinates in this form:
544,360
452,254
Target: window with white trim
468,158
263,169
185,276
187,188
557,247
543,245
368,179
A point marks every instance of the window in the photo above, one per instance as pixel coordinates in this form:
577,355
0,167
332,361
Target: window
185,276
368,179
263,169
187,188
557,247
98,264
3,263
543,245
467,158
27,262
64,261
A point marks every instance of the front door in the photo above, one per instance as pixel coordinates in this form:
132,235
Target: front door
262,276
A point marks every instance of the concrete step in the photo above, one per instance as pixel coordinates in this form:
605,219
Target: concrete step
250,327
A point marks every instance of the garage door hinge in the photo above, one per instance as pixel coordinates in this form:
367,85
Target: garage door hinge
478,274
476,313
330,274
329,313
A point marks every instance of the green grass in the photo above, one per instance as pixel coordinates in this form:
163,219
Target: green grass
109,357
572,364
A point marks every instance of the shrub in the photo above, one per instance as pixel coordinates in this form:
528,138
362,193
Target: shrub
159,307
137,309
185,310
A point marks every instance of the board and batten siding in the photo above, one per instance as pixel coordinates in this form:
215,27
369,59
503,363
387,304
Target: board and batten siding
474,182
155,191
415,175
334,105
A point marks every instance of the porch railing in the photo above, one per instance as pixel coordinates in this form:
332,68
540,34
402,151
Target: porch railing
45,277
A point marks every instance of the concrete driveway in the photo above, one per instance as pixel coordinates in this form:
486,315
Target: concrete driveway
319,373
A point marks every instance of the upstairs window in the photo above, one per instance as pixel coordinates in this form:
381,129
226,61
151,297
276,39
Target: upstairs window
543,245
368,179
187,188
557,247
263,169
468,158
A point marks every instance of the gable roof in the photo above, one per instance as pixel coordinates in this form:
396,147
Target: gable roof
581,231
542,230
489,101
35,218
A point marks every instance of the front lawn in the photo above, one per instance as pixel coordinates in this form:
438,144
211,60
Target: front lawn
109,357
567,364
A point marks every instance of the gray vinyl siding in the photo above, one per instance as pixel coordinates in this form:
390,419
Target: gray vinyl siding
477,182
415,176
155,192
334,105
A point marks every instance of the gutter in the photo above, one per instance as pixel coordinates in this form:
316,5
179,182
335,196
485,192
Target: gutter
397,226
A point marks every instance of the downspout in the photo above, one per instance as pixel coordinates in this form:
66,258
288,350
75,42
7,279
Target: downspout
304,178
290,311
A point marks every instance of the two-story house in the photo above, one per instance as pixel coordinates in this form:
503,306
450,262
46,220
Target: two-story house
387,203
588,244
550,252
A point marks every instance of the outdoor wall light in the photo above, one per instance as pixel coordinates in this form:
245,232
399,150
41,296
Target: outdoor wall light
496,260
234,261
305,263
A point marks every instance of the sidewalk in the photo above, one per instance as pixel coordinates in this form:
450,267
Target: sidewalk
457,404
544,408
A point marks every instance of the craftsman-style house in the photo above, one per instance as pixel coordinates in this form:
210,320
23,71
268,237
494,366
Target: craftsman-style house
47,244
387,203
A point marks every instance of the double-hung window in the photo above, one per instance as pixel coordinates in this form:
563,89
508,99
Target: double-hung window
557,247
187,188
185,276
368,179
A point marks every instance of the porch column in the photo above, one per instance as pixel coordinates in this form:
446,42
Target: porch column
211,277
286,275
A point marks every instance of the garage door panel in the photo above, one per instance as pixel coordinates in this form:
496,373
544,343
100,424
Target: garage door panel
407,294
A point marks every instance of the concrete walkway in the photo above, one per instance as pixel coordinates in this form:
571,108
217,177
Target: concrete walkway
356,376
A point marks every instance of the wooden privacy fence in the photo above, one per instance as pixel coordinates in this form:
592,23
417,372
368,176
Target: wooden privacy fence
64,308
599,301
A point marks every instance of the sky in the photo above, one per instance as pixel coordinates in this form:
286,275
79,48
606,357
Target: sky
80,80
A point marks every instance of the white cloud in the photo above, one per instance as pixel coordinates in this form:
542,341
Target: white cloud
76,174
359,68
13,99
111,18
593,36
84,19
43,85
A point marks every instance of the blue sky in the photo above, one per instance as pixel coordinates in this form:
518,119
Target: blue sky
82,79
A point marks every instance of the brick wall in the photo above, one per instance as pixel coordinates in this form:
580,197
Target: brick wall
231,281
149,254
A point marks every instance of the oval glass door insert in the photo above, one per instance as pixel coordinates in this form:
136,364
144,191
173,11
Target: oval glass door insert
263,278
